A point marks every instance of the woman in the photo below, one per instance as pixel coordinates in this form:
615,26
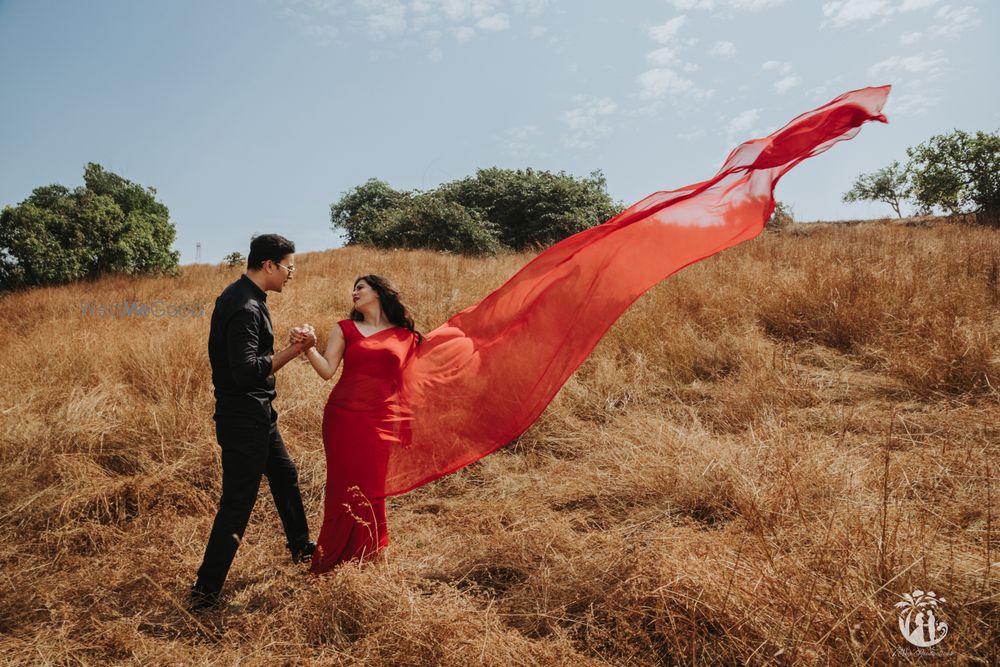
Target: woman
406,414
361,419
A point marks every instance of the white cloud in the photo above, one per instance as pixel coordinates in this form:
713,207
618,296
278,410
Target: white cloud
825,90
379,19
324,32
953,21
383,17
726,5
784,70
519,141
684,5
844,12
742,122
538,31
588,121
910,5
464,33
928,65
754,5
693,135
724,49
530,7
330,7
461,10
665,79
909,38
664,57
523,132
787,83
668,31
910,104
657,83
494,23
780,66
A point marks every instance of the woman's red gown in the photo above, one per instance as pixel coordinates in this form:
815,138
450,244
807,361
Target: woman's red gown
359,425
404,414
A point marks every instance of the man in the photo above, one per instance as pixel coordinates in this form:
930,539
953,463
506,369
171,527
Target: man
240,348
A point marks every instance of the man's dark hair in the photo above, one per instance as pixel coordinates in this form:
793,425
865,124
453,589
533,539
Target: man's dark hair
268,247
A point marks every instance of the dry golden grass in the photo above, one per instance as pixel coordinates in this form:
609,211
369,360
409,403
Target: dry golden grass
759,457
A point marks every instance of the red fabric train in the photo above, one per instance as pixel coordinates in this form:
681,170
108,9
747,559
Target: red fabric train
484,376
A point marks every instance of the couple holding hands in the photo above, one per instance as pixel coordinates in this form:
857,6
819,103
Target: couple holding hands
372,343
409,409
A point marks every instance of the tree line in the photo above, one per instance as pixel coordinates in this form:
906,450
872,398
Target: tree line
112,225
496,209
956,173
107,225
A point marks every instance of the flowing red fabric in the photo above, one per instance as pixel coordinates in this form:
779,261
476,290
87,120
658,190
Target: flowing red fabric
482,378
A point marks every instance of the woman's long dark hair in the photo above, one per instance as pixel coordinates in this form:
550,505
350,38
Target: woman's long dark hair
392,305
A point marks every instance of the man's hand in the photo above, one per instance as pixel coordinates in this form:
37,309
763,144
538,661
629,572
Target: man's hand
302,337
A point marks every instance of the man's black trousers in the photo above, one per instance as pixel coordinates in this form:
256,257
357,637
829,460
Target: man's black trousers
250,450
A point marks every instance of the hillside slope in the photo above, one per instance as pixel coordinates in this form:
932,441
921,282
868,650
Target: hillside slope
760,457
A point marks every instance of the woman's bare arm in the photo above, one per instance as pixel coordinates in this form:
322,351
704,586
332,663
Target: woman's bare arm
326,364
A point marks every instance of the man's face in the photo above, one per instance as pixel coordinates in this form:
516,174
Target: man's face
279,273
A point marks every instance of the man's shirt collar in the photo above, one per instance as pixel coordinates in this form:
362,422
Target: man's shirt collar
261,294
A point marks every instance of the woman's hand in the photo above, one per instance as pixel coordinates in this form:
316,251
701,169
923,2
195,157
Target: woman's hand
302,337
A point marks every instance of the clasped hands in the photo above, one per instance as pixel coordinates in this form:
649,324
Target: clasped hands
302,337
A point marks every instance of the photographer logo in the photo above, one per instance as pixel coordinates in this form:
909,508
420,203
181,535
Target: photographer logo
920,618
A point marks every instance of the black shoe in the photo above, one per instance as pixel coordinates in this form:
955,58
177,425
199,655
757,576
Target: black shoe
303,553
203,600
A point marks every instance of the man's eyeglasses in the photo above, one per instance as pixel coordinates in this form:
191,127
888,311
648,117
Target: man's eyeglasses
290,269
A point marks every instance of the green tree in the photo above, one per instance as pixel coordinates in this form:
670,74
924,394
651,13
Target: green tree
234,258
109,225
509,208
360,210
890,185
780,218
959,173
533,208
430,221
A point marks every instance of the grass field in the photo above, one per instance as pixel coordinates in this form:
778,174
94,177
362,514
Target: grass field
760,457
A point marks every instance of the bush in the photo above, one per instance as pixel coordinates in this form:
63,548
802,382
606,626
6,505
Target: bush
780,219
497,208
534,208
234,259
360,210
110,225
430,221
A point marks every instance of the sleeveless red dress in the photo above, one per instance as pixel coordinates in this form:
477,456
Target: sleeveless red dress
360,424
404,414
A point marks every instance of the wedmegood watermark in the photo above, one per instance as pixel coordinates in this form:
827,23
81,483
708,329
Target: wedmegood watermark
142,309
921,624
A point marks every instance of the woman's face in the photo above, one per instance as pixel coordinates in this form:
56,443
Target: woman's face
363,295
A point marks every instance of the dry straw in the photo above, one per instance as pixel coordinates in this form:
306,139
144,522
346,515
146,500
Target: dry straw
759,458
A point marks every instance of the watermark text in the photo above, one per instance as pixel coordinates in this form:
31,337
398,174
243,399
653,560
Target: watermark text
142,309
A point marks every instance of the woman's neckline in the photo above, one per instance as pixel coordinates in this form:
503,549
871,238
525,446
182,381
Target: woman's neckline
358,329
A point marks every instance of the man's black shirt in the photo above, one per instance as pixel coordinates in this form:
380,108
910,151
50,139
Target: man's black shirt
240,346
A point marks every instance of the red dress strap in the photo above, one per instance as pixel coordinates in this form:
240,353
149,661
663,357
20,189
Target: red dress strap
350,330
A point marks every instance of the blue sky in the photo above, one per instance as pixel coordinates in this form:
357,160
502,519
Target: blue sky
254,116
